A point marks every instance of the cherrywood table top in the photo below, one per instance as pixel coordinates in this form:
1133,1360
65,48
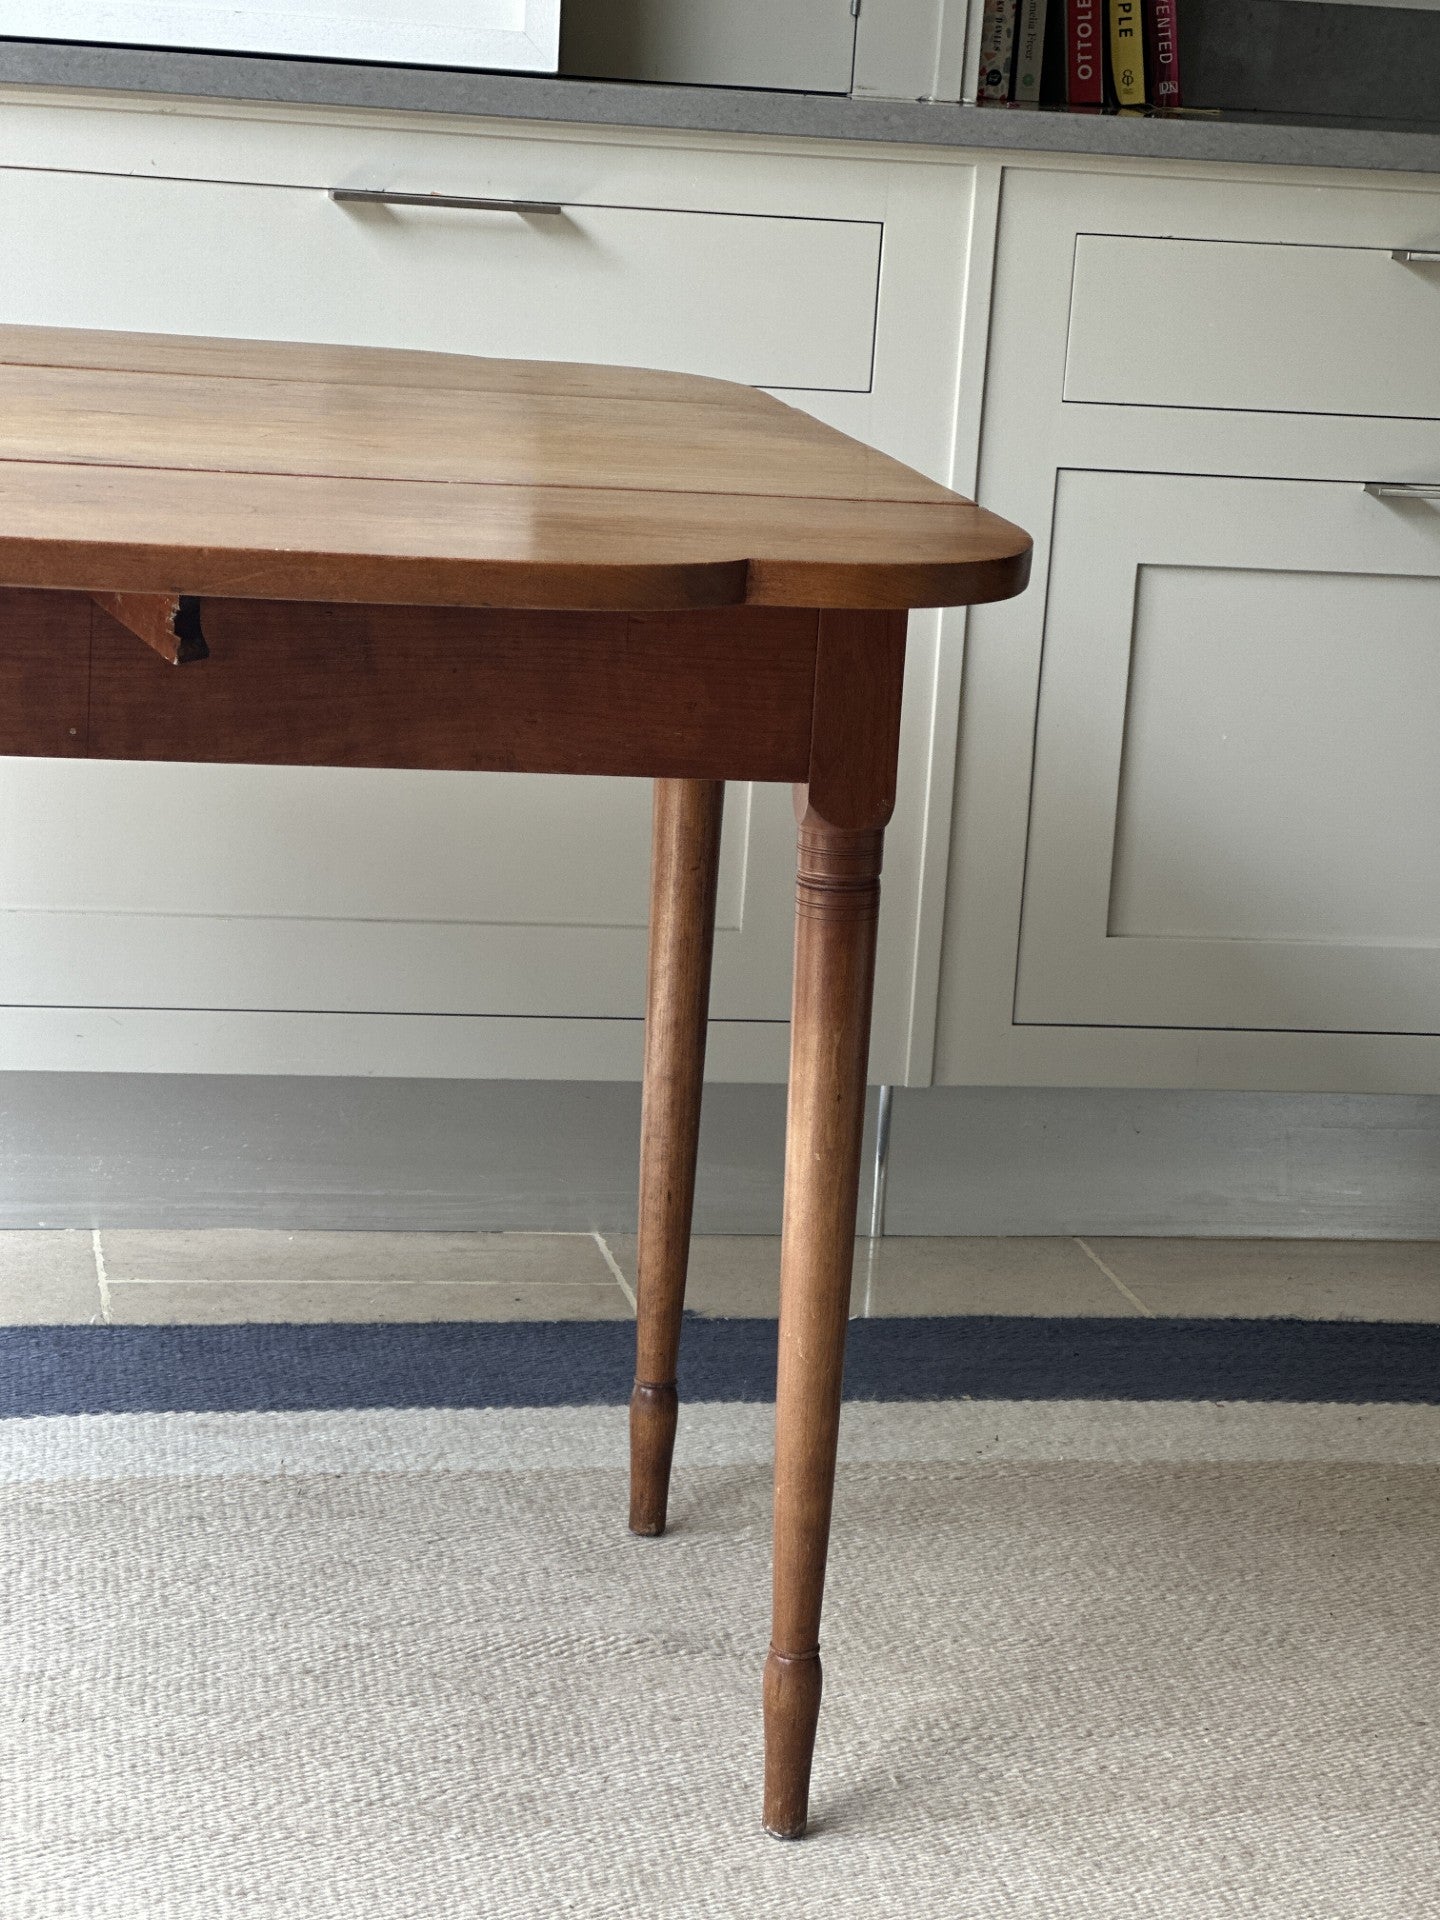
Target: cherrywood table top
228,468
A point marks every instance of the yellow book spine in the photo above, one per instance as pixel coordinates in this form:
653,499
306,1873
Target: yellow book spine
1127,53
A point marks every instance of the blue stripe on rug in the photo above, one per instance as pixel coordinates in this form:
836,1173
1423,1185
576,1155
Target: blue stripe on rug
232,1369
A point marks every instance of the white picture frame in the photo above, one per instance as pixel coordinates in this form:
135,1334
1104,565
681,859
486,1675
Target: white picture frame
515,35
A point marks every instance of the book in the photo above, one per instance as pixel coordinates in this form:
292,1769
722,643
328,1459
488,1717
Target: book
1162,50
1030,51
1127,52
997,49
1084,57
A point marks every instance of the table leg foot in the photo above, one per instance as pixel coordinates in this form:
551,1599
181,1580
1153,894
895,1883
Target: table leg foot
792,1713
654,1410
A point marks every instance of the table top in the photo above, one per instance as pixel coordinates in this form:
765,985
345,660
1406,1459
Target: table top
228,468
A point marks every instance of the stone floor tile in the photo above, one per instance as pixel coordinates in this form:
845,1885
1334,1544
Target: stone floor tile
1311,1279
204,1303
48,1278
247,1256
907,1276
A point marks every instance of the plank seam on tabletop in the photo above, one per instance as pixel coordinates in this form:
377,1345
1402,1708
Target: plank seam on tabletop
63,459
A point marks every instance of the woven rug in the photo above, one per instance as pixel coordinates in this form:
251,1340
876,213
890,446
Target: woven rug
1124,1619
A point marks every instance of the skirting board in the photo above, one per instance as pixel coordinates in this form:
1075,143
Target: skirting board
184,1150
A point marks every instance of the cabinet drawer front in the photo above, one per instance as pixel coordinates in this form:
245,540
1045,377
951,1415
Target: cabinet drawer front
768,300
1253,326
1236,789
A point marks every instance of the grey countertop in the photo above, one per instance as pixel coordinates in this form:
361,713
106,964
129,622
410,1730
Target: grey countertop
1245,138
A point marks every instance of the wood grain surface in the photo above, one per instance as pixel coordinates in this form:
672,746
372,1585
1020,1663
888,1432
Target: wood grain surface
45,673
139,464
676,695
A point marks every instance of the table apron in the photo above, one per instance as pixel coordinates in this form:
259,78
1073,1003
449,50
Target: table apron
723,693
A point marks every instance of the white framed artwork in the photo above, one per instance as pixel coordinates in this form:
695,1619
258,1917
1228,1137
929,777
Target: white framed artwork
518,35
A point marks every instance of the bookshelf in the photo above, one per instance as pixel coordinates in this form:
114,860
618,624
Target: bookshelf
1344,60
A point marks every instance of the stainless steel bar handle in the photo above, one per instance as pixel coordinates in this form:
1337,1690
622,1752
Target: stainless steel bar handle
1403,489
1420,255
389,197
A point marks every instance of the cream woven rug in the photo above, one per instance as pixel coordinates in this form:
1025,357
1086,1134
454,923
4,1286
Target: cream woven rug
1084,1660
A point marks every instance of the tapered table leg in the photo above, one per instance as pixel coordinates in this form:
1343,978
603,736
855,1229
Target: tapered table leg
837,905
684,867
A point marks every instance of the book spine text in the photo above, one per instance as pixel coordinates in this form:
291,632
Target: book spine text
997,49
1030,52
1164,52
1084,56
1127,53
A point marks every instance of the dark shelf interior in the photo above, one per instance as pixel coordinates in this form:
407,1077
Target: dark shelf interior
1306,59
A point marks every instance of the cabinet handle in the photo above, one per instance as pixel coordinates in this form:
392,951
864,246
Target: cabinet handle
1403,489
1415,256
389,197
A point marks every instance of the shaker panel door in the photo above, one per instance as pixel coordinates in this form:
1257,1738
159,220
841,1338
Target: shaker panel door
1235,817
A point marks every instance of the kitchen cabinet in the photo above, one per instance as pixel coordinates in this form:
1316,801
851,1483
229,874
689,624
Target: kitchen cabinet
1194,835
339,921
1166,820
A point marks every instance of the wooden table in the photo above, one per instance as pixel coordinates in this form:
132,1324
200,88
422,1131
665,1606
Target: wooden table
382,559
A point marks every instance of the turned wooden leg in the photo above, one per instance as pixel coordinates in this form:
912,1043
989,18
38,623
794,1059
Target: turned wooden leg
854,746
838,899
684,866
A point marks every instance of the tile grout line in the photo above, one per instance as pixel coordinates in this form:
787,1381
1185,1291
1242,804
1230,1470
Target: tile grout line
1114,1278
614,1265
102,1279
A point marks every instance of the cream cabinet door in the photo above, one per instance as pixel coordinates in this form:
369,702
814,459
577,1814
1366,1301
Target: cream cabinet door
1235,816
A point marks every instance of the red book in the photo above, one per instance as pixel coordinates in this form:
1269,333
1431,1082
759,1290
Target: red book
1084,53
1162,50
